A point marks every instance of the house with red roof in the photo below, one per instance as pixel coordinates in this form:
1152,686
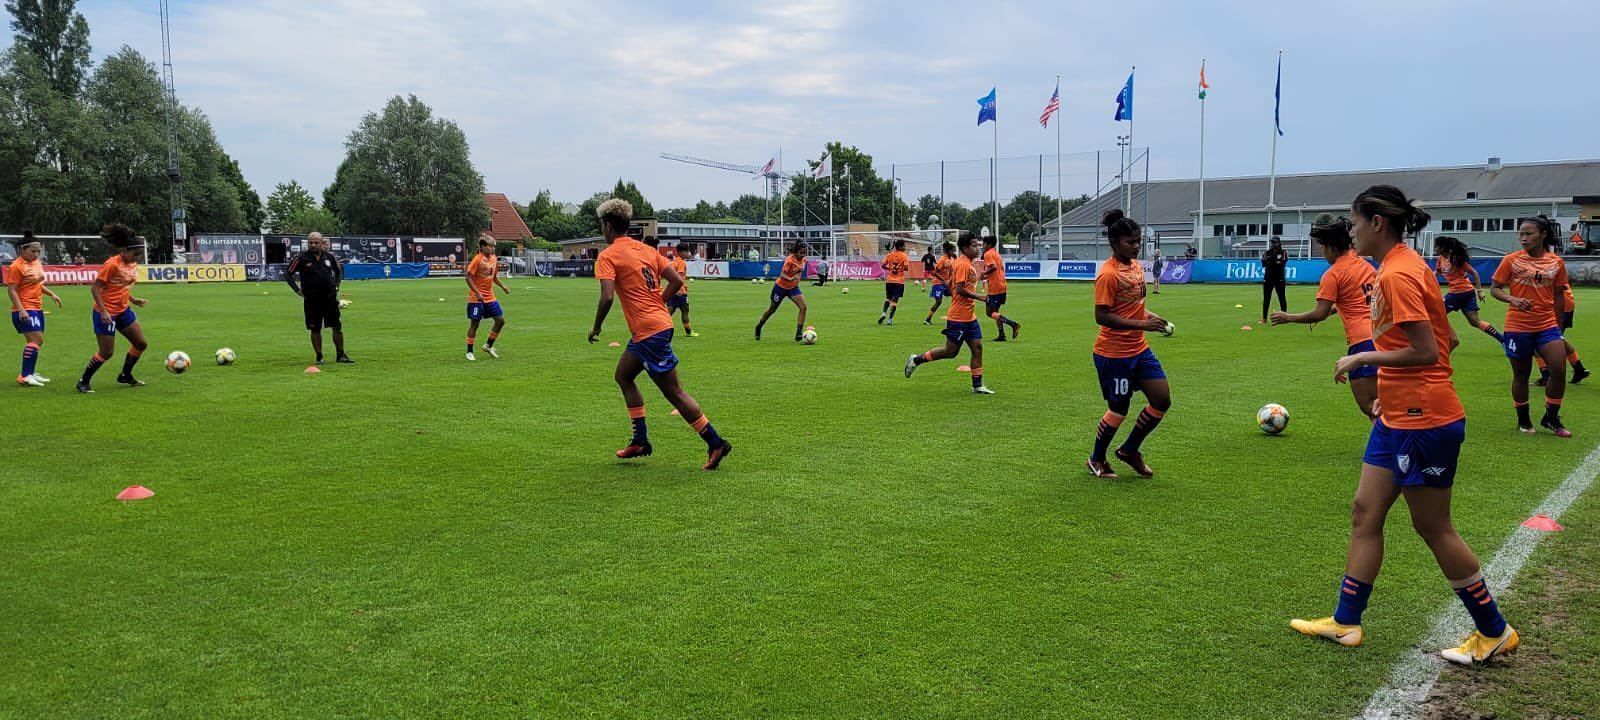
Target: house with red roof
505,223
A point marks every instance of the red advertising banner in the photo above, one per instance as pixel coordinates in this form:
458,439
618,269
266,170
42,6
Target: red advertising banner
64,274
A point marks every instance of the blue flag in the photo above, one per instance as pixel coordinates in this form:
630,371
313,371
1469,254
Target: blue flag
1125,100
1277,100
986,108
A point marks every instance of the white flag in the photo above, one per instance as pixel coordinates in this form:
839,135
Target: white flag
824,168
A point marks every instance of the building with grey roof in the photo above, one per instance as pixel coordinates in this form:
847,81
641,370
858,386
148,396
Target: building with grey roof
1480,204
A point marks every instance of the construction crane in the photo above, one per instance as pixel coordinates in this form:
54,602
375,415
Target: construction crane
169,106
772,172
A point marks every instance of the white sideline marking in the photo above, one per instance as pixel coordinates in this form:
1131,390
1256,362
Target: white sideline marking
1416,671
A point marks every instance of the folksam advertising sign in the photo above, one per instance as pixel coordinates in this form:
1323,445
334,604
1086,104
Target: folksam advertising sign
191,273
1250,271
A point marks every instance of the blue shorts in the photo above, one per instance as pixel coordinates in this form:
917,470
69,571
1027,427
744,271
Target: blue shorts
1365,371
1524,345
120,321
960,332
656,352
779,293
28,321
678,302
1417,457
1119,377
1461,302
937,292
894,291
479,311
994,302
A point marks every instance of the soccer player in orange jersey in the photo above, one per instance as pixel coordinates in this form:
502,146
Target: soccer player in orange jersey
1579,372
962,325
113,295
26,288
680,301
1463,293
994,275
941,280
483,274
788,286
1347,287
644,280
1415,442
1533,282
1122,358
895,266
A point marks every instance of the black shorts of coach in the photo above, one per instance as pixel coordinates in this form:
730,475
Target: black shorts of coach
322,312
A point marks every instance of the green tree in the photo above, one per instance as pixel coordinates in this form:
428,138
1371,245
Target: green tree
249,201
541,206
286,201
55,33
313,218
750,208
409,173
46,180
863,195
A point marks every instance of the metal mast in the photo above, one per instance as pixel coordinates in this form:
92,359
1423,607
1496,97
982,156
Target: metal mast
169,108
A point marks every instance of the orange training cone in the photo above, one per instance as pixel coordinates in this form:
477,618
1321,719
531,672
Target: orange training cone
964,368
135,492
313,370
614,344
674,412
1543,523
1246,327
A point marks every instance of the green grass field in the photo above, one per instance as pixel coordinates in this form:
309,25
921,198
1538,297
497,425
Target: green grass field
416,535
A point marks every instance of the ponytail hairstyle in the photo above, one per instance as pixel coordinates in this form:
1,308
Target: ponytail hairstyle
1391,204
1119,226
27,239
119,236
797,247
1452,250
1332,232
1546,226
949,248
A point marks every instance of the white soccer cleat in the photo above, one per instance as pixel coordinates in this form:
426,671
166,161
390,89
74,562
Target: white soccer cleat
911,365
982,390
30,381
470,356
41,378
492,352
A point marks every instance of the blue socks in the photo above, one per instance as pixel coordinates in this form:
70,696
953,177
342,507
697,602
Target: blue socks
1481,606
1353,595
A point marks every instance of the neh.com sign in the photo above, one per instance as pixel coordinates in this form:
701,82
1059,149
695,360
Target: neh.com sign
191,273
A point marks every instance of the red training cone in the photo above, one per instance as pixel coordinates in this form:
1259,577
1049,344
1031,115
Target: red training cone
674,412
614,344
1542,523
135,492
313,370
964,368
1245,327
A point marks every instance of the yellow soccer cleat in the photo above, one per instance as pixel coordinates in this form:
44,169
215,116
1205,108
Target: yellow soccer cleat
1478,649
1346,635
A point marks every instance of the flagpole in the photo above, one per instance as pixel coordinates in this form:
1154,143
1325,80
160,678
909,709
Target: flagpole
1200,231
1272,184
994,179
833,237
1058,169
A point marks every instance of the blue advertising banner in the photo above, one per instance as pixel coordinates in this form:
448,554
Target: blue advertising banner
385,271
1177,272
1076,269
1022,270
1250,271
744,269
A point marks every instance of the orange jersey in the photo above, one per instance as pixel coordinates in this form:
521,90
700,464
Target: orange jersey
895,266
1348,285
682,266
118,278
792,266
635,268
1458,278
29,279
962,277
1535,279
481,272
994,269
941,271
1412,398
1120,288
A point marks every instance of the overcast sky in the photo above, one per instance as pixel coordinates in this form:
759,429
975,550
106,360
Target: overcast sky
572,95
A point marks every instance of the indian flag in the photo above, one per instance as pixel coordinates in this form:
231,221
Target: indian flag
1203,84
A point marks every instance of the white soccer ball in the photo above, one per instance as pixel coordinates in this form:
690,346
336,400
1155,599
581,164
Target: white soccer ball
225,356
178,362
1272,418
754,281
343,303
845,291
809,337
1169,329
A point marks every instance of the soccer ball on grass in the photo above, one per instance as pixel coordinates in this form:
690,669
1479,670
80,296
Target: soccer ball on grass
1272,418
808,337
178,362
225,356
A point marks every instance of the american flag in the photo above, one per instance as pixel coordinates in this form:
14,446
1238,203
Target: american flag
767,167
1051,108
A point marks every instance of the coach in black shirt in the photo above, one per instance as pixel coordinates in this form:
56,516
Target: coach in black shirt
319,275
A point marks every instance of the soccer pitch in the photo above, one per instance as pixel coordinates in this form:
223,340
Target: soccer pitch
417,535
